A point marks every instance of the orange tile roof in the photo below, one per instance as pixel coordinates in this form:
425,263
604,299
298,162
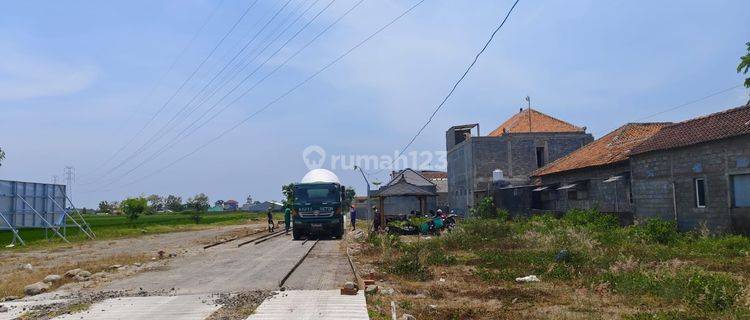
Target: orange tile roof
540,122
611,148
715,126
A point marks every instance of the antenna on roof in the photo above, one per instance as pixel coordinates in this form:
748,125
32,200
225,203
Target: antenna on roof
528,101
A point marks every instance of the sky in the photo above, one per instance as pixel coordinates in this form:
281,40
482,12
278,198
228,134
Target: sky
107,87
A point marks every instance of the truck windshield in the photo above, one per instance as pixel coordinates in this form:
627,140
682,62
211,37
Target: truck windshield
316,193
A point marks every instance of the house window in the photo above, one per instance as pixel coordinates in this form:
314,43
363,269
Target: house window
700,192
741,191
539,157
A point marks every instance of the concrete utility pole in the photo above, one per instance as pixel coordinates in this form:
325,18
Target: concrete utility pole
369,203
70,178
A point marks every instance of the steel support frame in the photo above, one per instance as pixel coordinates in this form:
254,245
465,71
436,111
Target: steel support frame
57,232
13,229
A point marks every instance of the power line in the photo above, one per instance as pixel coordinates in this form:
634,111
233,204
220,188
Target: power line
282,96
180,136
689,103
156,85
185,82
455,85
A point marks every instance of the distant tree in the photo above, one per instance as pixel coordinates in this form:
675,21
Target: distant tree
173,203
156,202
249,199
288,191
105,207
2,156
745,65
198,203
219,203
256,202
349,196
134,207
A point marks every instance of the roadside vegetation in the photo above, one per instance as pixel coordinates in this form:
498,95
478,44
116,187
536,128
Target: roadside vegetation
135,224
588,266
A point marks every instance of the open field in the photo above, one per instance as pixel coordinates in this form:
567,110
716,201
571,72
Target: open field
588,266
111,227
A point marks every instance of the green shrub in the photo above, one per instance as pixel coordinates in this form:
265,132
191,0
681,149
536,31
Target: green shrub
503,215
712,292
485,209
658,230
591,218
134,207
409,266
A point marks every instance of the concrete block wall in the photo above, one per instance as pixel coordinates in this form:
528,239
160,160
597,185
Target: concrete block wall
655,174
611,197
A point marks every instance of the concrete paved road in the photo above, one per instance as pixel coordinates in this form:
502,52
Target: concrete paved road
312,304
225,269
326,267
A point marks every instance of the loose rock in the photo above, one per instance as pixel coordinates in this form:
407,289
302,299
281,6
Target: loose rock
3,309
72,273
52,278
349,285
27,267
407,316
371,288
35,289
531,278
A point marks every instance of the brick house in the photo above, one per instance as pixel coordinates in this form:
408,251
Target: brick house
697,172
596,176
525,142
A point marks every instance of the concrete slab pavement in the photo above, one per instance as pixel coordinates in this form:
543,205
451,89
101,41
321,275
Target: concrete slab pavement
188,307
312,304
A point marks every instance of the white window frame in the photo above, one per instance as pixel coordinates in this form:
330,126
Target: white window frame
705,192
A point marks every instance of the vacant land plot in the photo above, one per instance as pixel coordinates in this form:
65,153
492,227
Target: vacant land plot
108,227
588,266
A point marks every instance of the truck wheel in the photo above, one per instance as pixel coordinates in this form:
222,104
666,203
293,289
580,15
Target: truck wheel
295,234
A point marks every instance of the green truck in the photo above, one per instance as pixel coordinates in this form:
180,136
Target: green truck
318,206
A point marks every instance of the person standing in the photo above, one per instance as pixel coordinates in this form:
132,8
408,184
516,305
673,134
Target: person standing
269,214
376,219
287,219
353,217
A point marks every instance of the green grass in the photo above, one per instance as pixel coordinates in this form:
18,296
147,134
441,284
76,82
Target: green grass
108,227
649,265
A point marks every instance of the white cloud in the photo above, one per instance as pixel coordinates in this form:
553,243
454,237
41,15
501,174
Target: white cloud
26,75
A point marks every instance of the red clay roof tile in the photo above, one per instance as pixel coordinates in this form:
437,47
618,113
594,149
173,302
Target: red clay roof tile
611,148
540,122
720,125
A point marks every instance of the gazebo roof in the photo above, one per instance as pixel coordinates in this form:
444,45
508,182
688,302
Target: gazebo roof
403,188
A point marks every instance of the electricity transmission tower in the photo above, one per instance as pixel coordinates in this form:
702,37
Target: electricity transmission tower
70,178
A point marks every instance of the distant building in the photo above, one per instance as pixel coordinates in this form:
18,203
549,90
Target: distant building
697,172
440,180
407,191
596,176
525,142
216,208
264,206
231,205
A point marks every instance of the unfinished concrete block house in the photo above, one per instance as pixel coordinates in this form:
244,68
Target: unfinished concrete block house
596,176
697,172
527,141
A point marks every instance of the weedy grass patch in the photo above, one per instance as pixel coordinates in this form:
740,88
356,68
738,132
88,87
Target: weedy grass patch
645,271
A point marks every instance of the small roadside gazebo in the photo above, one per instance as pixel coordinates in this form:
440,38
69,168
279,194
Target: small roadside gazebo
402,189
